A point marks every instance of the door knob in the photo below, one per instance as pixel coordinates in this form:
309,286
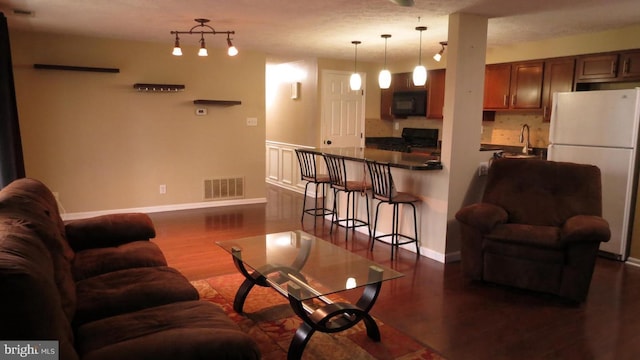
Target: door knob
328,142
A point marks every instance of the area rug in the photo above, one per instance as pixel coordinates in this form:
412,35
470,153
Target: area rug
269,320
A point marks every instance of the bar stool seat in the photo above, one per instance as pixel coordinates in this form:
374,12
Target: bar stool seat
308,172
384,191
340,183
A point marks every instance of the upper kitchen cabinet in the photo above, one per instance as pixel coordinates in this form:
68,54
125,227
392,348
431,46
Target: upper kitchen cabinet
607,68
513,86
386,101
558,77
497,83
630,65
404,82
597,67
435,93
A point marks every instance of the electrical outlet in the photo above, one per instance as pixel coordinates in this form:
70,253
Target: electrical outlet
252,121
163,189
483,168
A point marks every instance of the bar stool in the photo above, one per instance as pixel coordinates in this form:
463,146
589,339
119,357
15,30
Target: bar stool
340,183
308,171
384,191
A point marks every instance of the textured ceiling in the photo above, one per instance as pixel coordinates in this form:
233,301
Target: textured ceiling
322,28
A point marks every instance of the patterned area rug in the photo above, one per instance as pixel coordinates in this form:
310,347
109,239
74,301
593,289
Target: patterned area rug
269,320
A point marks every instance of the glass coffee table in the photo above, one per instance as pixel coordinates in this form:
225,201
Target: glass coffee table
306,269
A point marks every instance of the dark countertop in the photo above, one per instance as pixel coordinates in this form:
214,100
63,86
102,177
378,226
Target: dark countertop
409,161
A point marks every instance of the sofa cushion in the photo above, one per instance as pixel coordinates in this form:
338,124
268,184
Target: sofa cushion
92,262
184,330
31,308
128,290
31,201
109,230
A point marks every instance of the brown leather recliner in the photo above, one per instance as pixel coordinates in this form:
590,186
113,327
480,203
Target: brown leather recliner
538,227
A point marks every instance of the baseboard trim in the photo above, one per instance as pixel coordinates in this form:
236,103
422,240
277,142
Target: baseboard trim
633,261
163,208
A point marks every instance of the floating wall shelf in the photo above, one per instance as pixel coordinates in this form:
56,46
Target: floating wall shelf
75,68
217,102
158,87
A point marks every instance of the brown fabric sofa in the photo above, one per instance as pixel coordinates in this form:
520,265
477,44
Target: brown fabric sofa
538,227
100,287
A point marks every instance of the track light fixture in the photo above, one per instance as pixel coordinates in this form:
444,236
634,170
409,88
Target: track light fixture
202,28
438,56
355,82
384,79
232,50
420,72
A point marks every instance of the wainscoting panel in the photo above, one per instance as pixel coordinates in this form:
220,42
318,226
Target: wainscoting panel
282,166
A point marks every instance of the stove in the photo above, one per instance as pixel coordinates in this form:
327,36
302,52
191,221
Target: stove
411,140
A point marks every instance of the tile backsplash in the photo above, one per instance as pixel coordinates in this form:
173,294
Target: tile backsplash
505,130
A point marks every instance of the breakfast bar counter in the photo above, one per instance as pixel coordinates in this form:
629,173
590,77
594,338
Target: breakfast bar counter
408,161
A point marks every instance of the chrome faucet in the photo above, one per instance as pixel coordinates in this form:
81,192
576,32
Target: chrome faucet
526,149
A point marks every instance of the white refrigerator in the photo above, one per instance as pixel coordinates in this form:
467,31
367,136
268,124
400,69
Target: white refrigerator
601,128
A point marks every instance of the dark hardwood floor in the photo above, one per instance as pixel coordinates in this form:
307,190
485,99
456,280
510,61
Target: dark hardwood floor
432,303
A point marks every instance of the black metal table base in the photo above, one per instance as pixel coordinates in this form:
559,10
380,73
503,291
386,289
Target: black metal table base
330,317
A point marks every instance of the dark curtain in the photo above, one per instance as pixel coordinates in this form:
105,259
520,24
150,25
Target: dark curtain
11,161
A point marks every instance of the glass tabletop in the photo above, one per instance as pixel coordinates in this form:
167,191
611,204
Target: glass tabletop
296,260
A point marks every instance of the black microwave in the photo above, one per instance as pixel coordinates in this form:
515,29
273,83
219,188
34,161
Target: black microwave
409,103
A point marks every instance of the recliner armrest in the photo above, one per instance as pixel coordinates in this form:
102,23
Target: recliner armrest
109,230
482,216
586,228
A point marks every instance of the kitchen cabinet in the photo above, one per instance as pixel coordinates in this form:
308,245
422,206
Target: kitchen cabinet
558,77
497,82
630,65
386,100
435,93
513,86
404,82
597,67
609,67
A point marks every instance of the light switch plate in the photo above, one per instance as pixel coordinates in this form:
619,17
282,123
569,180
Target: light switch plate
252,121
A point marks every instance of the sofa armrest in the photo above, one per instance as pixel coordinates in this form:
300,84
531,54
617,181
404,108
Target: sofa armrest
482,216
585,228
109,230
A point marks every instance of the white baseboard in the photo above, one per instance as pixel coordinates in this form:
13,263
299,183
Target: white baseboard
162,208
633,261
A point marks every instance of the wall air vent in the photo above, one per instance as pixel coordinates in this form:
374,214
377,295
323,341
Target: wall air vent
224,188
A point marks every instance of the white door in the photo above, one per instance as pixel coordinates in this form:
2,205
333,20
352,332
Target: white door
342,111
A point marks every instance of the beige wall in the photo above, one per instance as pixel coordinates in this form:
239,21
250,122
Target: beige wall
292,121
102,145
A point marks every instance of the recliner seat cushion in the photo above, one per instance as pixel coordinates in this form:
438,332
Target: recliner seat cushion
128,290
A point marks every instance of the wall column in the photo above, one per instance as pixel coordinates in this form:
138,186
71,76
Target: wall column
464,92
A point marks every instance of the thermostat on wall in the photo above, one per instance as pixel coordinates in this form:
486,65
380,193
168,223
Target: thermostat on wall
201,111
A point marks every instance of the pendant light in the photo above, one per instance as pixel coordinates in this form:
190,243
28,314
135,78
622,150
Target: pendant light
420,72
384,79
355,82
